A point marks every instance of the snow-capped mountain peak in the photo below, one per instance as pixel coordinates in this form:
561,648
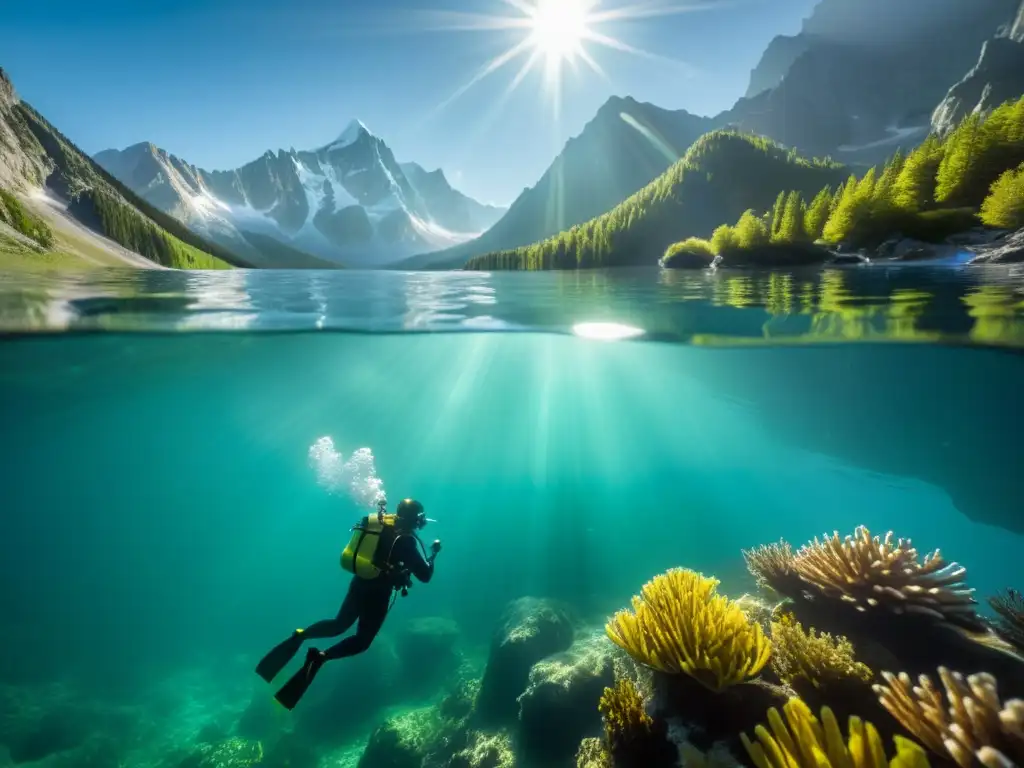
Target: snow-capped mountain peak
350,200
353,132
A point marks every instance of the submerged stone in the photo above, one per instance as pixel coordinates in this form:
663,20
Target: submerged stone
530,629
559,706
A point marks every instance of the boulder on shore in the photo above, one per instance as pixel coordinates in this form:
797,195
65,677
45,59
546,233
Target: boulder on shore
1009,250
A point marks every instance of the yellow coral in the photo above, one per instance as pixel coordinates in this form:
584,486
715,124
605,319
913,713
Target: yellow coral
680,624
818,658
623,711
809,743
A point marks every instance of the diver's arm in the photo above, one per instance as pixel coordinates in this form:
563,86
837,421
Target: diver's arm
422,568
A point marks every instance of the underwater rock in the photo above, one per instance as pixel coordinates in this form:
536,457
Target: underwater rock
347,696
559,706
231,753
262,719
428,654
290,751
403,741
485,750
716,717
915,644
530,629
39,735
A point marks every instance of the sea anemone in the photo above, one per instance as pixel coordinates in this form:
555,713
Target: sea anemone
817,658
1010,624
969,725
880,574
809,743
680,624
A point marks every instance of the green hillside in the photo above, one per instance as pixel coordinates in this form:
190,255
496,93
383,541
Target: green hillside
96,198
973,176
722,175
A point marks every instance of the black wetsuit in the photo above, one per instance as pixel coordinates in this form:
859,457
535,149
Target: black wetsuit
368,600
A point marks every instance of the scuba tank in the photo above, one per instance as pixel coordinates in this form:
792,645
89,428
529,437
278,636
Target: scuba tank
360,555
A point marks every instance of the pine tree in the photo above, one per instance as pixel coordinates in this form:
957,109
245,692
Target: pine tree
959,161
791,226
777,213
817,214
914,189
1004,206
853,204
882,198
751,231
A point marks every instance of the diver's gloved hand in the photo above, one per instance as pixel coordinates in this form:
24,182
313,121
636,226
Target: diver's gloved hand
435,547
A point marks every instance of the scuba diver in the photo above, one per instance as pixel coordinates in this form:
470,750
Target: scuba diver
383,554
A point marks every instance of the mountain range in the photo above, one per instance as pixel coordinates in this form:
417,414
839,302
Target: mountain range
861,79
348,201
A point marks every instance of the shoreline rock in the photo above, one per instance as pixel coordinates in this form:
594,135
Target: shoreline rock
1008,249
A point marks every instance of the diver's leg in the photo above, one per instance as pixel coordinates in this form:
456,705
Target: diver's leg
340,624
371,618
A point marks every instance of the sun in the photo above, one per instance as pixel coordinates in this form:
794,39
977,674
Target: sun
559,27
557,35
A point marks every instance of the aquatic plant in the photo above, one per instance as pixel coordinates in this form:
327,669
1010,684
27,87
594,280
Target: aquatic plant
772,566
680,624
232,753
593,754
485,750
969,724
872,573
623,712
1010,624
817,658
806,741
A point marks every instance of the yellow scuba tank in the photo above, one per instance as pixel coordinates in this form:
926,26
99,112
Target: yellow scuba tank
360,554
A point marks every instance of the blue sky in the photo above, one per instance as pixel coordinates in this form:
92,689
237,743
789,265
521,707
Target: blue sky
218,82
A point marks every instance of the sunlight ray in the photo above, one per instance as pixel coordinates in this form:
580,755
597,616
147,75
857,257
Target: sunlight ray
464,21
496,63
611,42
523,7
594,65
656,10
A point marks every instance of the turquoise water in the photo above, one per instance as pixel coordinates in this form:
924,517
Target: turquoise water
165,523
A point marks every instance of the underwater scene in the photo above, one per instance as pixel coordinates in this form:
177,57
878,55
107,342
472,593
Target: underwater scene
635,518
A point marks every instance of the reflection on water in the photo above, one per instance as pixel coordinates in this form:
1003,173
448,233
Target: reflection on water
919,304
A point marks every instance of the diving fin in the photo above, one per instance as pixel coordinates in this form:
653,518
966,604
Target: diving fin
299,683
279,656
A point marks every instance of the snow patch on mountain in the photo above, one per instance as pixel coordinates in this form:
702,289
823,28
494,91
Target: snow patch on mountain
352,133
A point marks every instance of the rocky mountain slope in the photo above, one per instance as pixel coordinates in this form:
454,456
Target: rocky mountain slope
997,77
864,76
69,197
624,147
347,201
861,79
